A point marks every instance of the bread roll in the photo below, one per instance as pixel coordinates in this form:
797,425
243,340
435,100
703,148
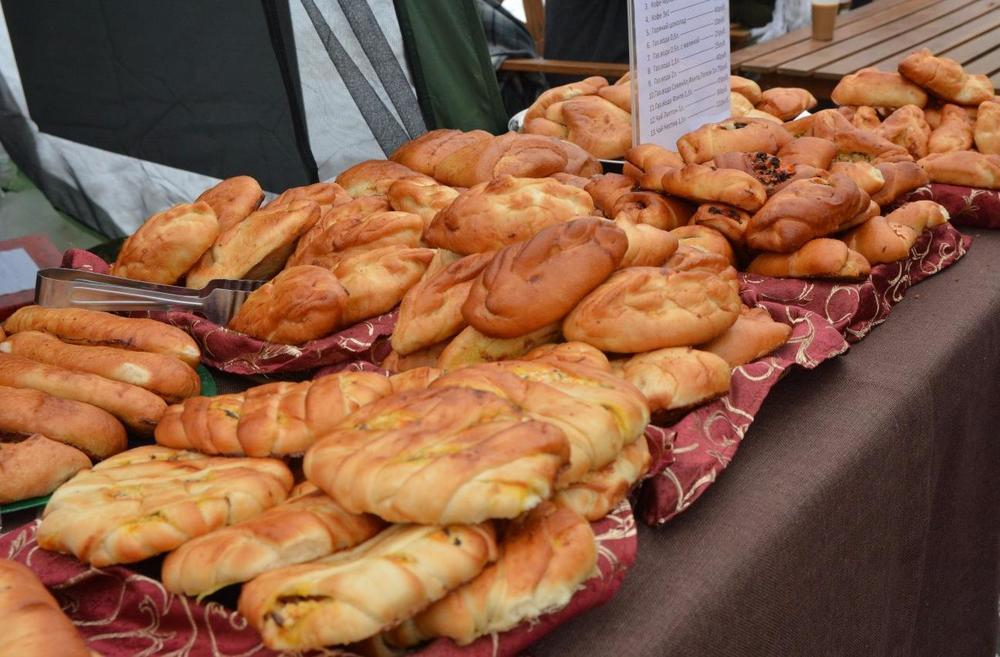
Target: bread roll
648,246
866,176
420,195
373,177
852,143
324,194
645,308
901,178
987,131
152,499
652,209
34,624
963,168
414,379
753,335
595,124
36,466
739,105
572,179
768,169
258,246
675,379
600,491
579,162
165,376
876,88
945,78
504,211
471,347
233,200
359,234
907,127
867,118
955,133
741,135
730,222
92,430
377,280
572,353
305,527
818,258
319,238
139,409
300,304
786,102
640,159
619,93
606,189
333,601
706,239
168,244
563,93
425,357
890,238
745,87
809,151
535,283
703,184
276,419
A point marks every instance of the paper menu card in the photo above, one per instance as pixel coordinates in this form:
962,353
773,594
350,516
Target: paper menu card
17,271
680,67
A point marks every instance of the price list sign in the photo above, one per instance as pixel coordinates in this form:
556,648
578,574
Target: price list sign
680,66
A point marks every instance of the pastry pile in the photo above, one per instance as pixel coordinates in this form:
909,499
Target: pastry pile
74,383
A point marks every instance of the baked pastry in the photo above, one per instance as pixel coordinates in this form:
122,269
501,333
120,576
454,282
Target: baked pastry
332,601
431,310
876,88
606,189
648,246
572,179
730,222
305,527
36,466
92,430
78,326
34,625
945,78
258,246
326,195
901,178
652,209
300,304
745,87
987,130
675,380
373,177
138,409
421,196
640,159
359,234
785,102
377,280
600,491
504,211
768,169
276,419
572,353
955,132
703,184
907,127
808,151
753,335
152,499
741,135
543,560
317,240
564,92
168,244
619,93
867,118
818,258
536,282
804,210
852,143
872,210
165,376
705,239
579,162
425,357
963,168
890,238
866,176
646,308
739,105
595,124
471,347
233,200
417,378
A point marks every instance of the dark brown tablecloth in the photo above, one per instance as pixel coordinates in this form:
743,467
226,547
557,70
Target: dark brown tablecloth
860,516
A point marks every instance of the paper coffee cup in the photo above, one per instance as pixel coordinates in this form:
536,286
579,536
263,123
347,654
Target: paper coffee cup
824,18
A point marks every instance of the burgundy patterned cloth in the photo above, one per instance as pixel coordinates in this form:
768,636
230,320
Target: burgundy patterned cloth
122,613
968,206
238,353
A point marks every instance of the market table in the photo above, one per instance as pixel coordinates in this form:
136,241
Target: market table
879,34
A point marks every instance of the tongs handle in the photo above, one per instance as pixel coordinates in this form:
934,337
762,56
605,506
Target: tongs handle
110,293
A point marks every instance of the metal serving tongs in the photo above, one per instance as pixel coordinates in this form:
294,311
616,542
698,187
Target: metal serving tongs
72,288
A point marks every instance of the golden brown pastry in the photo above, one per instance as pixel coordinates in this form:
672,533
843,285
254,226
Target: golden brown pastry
640,159
536,282
326,195
740,135
36,466
987,130
152,499
867,118
907,127
852,143
595,124
646,308
768,169
706,239
652,209
954,133
305,527
563,93
373,177
745,87
963,168
138,409
431,311
79,326
276,419
333,600
92,430
417,378
730,222
876,88
753,336
165,376
504,211
786,102
890,238
578,161
425,357
359,234
648,246
808,151
317,239
870,211
804,210
258,246
606,189
901,178
168,244
572,179
300,304
945,78
704,184
676,379
600,491
619,93
818,258
866,176
377,280
420,195
572,353
544,558
34,625
471,347
739,105
233,200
